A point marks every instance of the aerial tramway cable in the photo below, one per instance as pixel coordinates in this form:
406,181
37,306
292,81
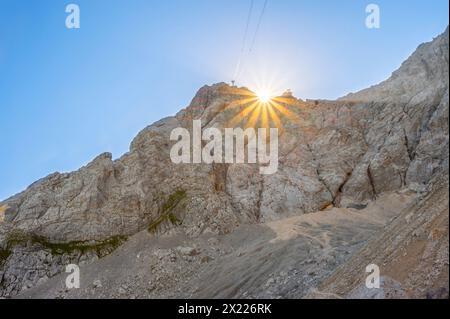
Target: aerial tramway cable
259,24
244,40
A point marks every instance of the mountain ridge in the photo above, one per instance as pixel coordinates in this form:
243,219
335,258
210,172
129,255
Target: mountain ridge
343,155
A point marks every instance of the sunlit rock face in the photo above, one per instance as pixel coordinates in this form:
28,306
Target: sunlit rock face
342,153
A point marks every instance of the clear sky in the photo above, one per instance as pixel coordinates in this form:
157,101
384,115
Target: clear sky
68,95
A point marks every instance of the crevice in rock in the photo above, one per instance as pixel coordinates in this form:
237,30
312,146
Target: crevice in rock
336,199
409,150
319,177
371,182
259,201
220,171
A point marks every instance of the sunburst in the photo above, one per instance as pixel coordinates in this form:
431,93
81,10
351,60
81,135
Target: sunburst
262,109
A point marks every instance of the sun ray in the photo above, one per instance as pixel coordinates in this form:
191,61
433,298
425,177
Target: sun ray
254,117
244,92
264,115
3,209
285,111
274,117
238,118
281,99
242,102
262,108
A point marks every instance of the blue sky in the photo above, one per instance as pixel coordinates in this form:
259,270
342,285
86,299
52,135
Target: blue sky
68,95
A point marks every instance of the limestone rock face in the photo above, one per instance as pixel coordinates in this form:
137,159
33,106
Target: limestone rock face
412,252
422,76
342,153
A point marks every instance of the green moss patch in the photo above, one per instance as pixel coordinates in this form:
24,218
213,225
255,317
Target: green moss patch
101,248
166,211
4,254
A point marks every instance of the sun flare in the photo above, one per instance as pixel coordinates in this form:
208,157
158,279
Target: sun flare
264,96
262,108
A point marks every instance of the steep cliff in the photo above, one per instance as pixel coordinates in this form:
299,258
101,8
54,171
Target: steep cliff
344,154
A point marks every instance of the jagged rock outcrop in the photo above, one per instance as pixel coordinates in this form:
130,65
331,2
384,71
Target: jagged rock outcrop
421,79
343,153
412,253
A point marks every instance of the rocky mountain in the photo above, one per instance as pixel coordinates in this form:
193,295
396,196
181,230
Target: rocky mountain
362,179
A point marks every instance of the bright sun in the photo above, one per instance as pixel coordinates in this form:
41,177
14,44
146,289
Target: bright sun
262,107
264,96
